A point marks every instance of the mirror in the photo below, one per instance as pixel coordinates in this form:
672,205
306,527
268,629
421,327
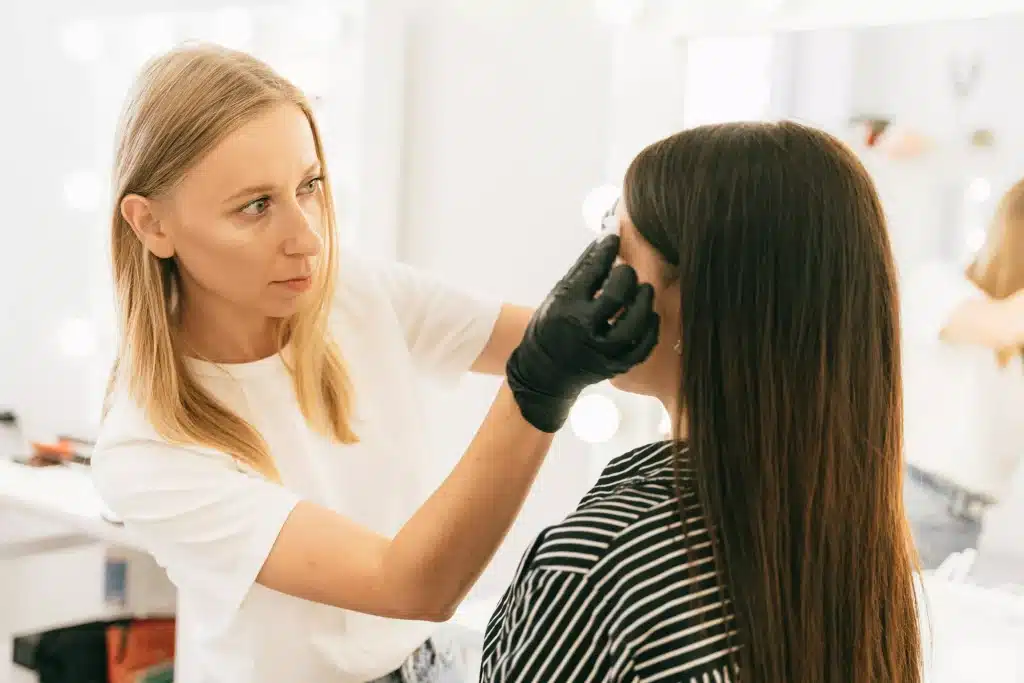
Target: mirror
932,109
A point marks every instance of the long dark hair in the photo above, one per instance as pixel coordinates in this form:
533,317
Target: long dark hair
791,392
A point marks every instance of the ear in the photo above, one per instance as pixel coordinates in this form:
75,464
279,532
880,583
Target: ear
141,214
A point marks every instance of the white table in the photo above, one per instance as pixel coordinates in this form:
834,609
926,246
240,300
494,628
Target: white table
54,540
60,494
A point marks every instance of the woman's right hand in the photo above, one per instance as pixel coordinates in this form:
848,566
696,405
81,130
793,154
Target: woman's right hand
596,323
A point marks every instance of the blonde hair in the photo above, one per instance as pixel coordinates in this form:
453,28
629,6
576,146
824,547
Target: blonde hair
183,104
998,268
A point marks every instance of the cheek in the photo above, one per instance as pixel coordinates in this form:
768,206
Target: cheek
222,256
313,208
650,376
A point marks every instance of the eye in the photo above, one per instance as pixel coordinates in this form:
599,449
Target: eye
311,186
257,207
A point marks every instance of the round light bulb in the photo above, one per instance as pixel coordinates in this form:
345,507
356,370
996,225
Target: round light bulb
82,41
975,239
979,190
83,191
595,418
596,205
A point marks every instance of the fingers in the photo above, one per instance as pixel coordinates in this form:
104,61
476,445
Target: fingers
648,341
591,270
619,290
632,325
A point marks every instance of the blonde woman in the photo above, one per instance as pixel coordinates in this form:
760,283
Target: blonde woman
262,438
964,335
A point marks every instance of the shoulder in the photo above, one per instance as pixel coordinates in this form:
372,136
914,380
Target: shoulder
363,309
650,464
130,452
358,275
368,286
622,574
125,421
364,272
635,494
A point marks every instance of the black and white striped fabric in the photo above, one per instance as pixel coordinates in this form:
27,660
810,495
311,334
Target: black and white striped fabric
614,594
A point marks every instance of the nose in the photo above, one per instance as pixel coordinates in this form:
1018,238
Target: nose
303,236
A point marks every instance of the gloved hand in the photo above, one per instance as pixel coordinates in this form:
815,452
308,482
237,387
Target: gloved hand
575,338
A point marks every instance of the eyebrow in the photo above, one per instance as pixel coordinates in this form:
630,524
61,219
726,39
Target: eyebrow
266,189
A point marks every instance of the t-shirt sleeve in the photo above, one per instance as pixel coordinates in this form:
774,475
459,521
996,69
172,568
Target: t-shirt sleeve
210,525
445,327
929,296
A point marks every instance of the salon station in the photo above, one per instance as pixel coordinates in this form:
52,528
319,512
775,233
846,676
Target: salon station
484,142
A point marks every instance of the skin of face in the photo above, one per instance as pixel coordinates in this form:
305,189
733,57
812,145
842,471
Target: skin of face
245,226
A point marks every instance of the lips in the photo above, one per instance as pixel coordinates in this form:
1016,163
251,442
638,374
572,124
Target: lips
297,284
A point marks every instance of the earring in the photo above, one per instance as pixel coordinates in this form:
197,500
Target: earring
678,347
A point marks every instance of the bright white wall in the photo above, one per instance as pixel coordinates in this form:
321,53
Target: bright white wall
507,114
43,265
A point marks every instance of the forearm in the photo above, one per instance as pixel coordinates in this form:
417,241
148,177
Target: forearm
444,547
994,324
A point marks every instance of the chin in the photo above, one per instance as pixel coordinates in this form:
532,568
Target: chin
283,310
633,382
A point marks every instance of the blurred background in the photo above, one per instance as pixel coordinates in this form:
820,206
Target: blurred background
482,140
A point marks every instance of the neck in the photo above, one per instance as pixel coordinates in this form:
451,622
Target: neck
220,334
680,424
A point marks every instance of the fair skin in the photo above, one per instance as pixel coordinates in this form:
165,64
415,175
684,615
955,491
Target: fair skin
994,323
659,375
244,228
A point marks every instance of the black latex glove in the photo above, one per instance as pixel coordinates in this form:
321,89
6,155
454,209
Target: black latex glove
570,343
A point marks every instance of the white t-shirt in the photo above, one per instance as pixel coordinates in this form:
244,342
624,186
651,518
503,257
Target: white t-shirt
962,415
212,525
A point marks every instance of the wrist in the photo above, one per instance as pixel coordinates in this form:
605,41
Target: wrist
542,403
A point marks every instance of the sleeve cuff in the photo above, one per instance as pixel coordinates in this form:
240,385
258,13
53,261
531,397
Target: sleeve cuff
273,513
475,336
